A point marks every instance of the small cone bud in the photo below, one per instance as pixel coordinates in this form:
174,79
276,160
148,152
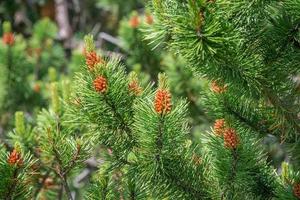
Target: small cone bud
231,140
92,59
219,127
134,21
8,36
15,158
100,84
133,85
36,87
149,18
162,101
296,190
217,88
8,39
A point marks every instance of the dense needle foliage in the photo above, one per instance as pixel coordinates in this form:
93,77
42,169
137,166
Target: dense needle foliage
130,130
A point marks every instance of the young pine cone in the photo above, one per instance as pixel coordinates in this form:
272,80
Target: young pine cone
162,102
100,84
219,127
231,139
15,158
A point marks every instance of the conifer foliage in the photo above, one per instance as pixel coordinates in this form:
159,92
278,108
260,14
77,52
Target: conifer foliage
144,130
139,134
239,47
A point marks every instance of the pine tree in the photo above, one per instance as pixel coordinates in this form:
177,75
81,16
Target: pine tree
14,70
147,136
145,153
139,134
25,64
243,47
51,150
141,58
140,55
244,95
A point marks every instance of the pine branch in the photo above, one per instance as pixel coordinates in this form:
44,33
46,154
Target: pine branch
231,188
245,120
62,175
289,115
66,186
10,191
185,187
72,163
124,125
60,171
159,139
94,121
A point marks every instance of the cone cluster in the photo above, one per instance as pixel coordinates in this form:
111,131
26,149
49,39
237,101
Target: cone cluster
134,87
149,19
37,87
8,38
219,127
162,101
217,88
296,190
134,21
15,158
92,59
231,139
100,84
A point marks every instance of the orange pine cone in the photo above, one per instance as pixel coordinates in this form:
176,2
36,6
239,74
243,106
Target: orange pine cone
215,87
296,190
135,88
219,127
92,59
231,140
162,101
15,158
100,84
37,87
149,19
134,21
8,38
